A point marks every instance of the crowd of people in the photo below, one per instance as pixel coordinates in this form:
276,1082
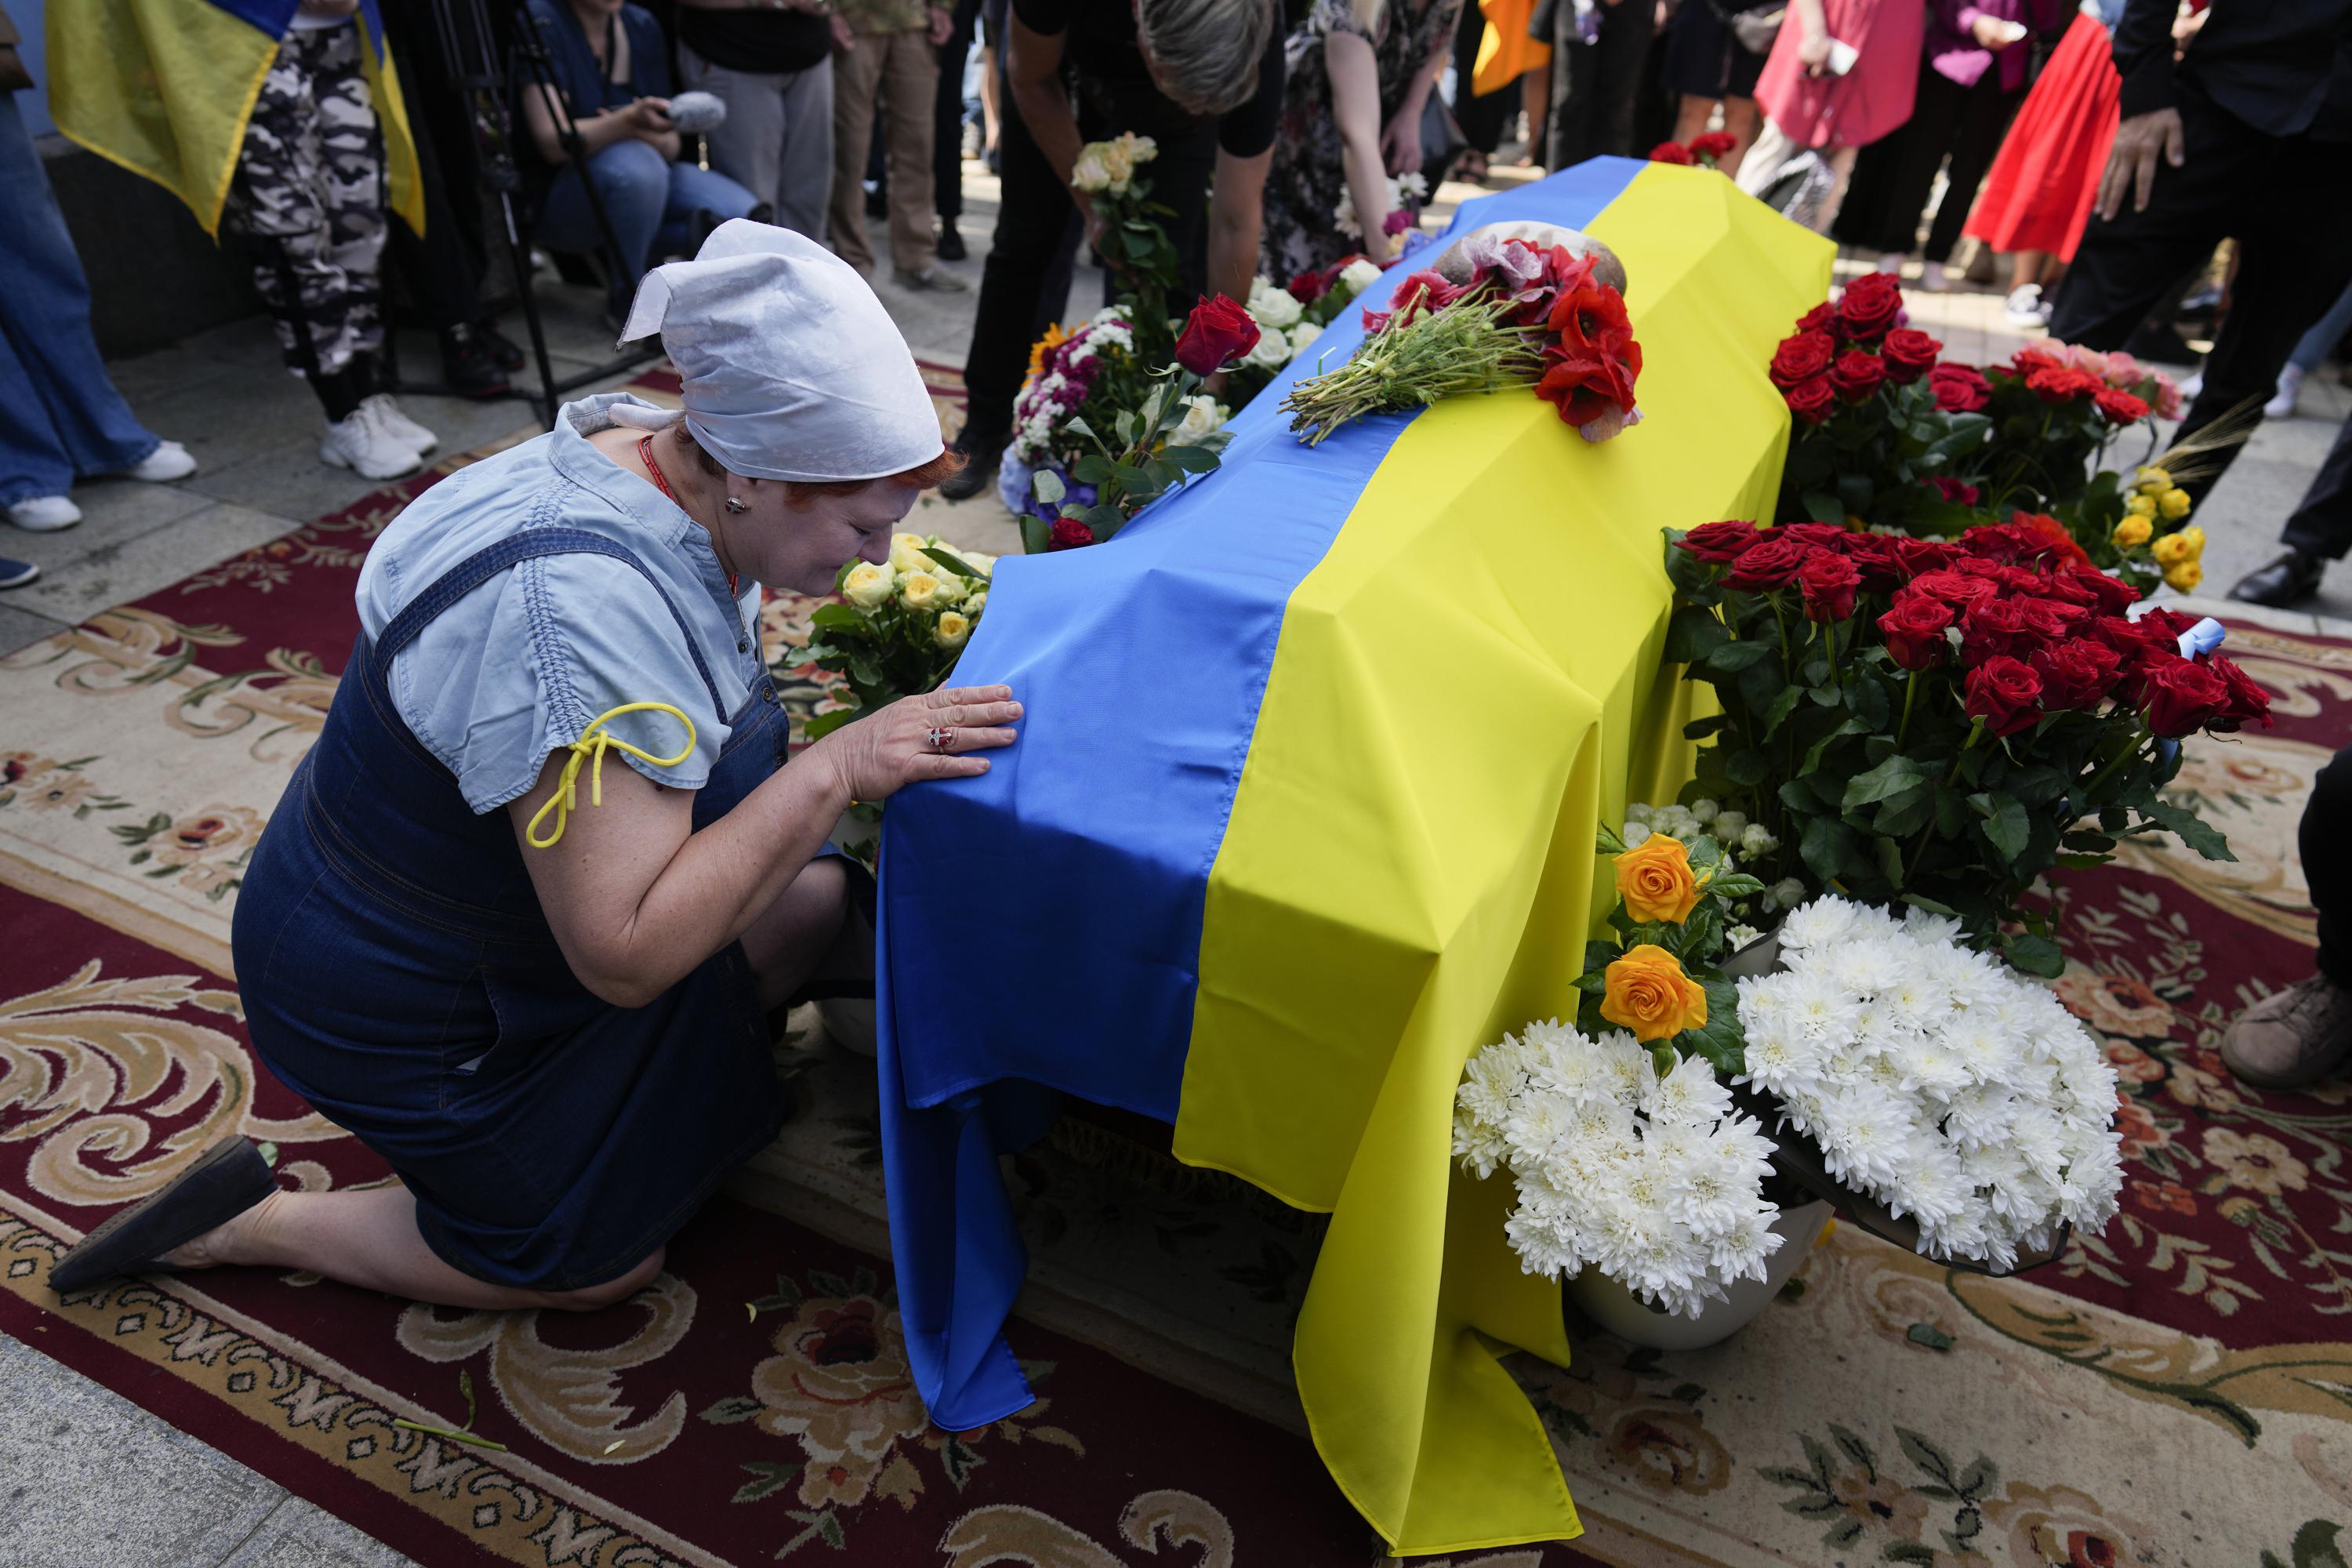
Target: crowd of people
2106,150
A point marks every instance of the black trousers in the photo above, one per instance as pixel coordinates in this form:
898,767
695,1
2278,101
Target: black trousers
1038,231
1894,175
947,131
2280,196
1481,118
1593,85
2322,520
2324,850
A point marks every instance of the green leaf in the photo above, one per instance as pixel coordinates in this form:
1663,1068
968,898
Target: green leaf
1731,657
1867,700
2183,823
955,563
1905,814
1692,633
1815,755
1720,1040
1192,459
1898,775
1739,885
1037,533
1749,768
1823,507
1774,716
1091,469
823,724
1077,426
1105,520
2009,829
1928,1335
1047,486
844,617
1828,847
1700,729
2033,955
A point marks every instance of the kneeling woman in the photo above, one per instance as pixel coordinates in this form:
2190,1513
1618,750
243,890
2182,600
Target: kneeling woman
541,996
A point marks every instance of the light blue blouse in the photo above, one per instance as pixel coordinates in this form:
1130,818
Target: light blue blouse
521,666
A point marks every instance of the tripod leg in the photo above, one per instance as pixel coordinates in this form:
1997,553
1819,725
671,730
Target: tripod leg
543,405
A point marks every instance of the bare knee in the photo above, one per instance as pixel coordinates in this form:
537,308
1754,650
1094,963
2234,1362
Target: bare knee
612,1292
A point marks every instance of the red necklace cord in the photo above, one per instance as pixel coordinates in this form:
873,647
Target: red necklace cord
646,451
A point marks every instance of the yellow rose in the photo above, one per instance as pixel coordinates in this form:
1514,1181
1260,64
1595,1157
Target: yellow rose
907,554
2141,506
2195,539
978,603
2132,529
2152,481
1648,993
951,631
951,589
2185,576
2173,503
918,590
2171,549
1655,880
868,584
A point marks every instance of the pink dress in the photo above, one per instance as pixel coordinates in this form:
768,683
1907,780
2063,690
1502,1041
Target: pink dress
1858,108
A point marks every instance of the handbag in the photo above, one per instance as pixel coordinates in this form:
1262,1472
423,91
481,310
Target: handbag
1442,141
1754,30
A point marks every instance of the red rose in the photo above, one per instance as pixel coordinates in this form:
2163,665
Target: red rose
1309,285
1592,360
1879,558
2063,548
2059,385
1829,582
1828,535
1992,627
1909,355
1769,563
1218,333
1857,375
1069,533
2248,700
2077,674
1821,318
2048,619
1925,554
2026,360
1720,541
1812,401
2119,406
1670,152
1801,358
1959,388
2108,595
1953,491
1914,630
1954,587
2005,693
2136,642
1713,144
2180,696
1869,306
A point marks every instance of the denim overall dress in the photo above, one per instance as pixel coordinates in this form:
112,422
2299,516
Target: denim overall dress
398,974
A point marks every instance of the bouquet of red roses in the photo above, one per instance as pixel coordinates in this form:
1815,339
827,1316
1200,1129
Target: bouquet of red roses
1516,314
1704,151
1940,722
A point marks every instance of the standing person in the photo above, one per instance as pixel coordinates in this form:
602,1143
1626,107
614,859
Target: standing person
2318,531
2311,350
611,65
2294,1038
60,416
1817,119
2233,140
1712,56
1481,115
894,52
1360,74
1200,77
1972,76
309,201
2037,196
1598,54
947,128
772,62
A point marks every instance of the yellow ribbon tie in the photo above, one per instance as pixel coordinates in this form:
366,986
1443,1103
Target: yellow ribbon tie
592,744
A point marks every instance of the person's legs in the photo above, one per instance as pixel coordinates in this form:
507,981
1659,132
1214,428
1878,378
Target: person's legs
1900,169
352,169
2321,524
856,79
1740,119
1534,92
802,934
911,68
748,145
1983,120
1023,285
2303,1034
2312,349
59,413
947,116
632,179
804,178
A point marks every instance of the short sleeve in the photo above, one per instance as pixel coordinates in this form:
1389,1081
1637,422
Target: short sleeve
520,667
1248,131
1044,17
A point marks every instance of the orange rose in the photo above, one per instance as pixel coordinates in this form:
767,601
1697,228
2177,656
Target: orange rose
1655,880
1648,993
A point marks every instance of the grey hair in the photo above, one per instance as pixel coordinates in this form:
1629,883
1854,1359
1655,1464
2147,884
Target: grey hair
1206,52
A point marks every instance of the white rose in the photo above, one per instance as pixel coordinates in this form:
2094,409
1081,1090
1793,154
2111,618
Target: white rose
1359,275
1201,417
918,590
1302,335
907,554
868,584
1138,149
977,603
1092,171
951,588
1118,164
1273,307
983,565
952,630
1270,353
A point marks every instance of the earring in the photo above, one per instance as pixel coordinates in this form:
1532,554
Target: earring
737,503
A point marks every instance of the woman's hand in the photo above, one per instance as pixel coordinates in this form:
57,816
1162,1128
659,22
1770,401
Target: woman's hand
1401,141
1995,34
876,757
1813,52
647,117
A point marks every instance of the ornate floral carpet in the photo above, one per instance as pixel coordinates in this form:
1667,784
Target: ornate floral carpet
2178,1392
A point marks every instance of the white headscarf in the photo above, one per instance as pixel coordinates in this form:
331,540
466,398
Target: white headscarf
792,368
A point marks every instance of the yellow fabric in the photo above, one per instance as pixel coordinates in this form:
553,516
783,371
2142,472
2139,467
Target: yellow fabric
1465,686
163,87
589,748
1506,52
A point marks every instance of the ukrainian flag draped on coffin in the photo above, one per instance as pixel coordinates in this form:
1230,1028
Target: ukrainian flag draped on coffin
164,88
1302,813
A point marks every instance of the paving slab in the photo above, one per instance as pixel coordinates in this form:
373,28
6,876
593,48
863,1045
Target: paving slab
153,560
23,628
300,1534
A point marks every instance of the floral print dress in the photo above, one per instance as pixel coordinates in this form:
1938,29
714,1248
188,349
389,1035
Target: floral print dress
1307,179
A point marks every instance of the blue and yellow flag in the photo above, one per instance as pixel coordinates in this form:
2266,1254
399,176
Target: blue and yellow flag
164,88
1301,814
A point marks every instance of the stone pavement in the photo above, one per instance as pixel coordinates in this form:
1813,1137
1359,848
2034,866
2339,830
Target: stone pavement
93,1479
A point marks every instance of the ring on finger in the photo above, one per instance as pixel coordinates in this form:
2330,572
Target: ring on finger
941,738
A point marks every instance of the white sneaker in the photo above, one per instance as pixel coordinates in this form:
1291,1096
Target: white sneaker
2290,387
44,514
167,462
380,408
2024,307
1933,277
1892,263
367,448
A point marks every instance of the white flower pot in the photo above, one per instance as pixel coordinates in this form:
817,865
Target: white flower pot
1627,1316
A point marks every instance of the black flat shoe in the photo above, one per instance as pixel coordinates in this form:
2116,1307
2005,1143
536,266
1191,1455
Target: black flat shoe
228,1179
2284,583
982,450
952,246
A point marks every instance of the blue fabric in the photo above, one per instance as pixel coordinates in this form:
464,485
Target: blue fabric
572,63
578,633
1064,888
649,200
398,974
60,417
2321,341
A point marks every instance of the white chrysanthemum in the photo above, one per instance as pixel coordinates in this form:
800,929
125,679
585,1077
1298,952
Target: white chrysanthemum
1635,833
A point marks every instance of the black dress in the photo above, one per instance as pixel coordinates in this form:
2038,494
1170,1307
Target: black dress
1704,59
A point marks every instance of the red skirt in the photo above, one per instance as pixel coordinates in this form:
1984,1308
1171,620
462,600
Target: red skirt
2038,194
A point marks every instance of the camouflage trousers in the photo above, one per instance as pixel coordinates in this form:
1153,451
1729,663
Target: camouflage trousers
309,199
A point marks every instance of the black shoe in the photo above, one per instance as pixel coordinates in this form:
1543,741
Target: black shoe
504,352
981,450
952,247
228,1179
468,365
2284,583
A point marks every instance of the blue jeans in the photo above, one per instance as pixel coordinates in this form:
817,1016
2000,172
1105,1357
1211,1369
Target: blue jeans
60,415
650,201
2313,350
